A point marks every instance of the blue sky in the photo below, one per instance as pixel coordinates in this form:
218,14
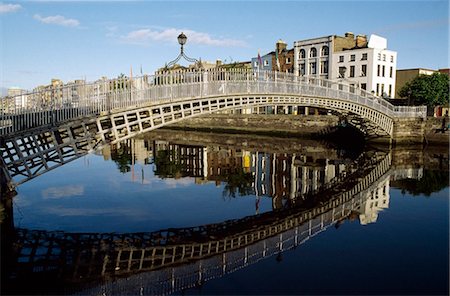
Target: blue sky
41,40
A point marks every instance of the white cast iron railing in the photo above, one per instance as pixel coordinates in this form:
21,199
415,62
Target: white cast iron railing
56,104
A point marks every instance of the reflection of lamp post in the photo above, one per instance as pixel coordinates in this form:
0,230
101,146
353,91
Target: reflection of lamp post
182,39
409,97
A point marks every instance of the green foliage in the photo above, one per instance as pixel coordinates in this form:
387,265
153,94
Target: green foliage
167,166
430,90
238,182
122,157
432,181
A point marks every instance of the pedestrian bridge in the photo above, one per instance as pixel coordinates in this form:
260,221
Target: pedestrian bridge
121,108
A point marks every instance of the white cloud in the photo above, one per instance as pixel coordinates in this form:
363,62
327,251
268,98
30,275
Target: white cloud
57,20
6,8
64,191
144,36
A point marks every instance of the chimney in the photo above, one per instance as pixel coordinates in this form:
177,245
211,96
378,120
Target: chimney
280,45
349,35
361,41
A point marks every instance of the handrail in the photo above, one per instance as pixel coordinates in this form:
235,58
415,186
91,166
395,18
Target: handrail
82,99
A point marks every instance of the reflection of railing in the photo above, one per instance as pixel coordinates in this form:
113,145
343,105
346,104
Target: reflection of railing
44,107
80,257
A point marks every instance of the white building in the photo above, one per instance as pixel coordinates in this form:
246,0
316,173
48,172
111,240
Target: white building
312,56
365,64
19,96
372,68
375,201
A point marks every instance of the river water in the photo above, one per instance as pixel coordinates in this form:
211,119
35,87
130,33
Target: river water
174,212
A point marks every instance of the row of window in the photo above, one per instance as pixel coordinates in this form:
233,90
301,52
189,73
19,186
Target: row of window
325,51
266,62
381,71
343,70
353,58
313,68
384,57
380,90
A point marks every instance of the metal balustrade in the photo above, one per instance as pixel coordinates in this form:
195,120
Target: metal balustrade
58,104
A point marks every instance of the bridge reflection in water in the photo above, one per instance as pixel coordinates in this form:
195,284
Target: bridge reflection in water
170,260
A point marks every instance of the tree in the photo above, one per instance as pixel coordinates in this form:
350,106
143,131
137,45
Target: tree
432,181
430,90
238,182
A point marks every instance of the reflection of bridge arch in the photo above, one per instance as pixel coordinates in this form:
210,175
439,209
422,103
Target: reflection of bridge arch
77,258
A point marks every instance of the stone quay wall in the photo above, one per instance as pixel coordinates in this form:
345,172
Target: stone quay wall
432,130
259,123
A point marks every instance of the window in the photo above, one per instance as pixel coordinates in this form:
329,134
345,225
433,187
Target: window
302,54
378,89
363,70
288,60
363,86
383,70
266,62
313,68
379,56
325,51
392,59
302,69
256,64
352,58
324,67
378,70
364,57
342,72
391,70
382,90
390,90
313,52
352,71
341,59
384,57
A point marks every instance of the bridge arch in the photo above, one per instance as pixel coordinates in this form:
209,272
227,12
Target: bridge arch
206,91
126,124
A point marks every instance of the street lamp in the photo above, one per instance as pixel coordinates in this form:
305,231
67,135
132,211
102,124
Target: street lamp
182,39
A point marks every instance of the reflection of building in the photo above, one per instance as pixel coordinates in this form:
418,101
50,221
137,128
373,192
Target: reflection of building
142,150
286,178
223,162
375,201
174,160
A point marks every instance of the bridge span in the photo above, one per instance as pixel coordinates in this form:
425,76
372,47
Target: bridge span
121,108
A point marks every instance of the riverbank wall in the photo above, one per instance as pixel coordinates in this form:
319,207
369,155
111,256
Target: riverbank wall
407,131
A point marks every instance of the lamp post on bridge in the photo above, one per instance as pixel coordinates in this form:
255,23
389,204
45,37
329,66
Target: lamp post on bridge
182,39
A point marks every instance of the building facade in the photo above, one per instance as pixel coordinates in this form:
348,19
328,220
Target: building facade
363,63
406,75
281,59
312,57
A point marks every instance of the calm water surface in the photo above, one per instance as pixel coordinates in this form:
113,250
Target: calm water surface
389,237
